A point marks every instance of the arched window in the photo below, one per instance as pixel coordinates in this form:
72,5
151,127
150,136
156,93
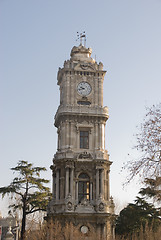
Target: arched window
83,187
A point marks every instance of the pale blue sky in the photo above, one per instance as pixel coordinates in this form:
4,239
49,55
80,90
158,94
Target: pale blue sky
36,36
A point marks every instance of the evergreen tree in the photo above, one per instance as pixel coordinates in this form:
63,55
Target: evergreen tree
32,194
152,189
136,216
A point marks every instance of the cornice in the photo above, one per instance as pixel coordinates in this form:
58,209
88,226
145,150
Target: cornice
81,111
78,70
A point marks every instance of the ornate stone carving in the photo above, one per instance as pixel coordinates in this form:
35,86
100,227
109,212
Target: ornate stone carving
85,202
101,206
84,206
87,66
69,206
85,155
100,66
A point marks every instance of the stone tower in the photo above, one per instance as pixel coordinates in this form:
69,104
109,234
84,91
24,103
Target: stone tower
81,165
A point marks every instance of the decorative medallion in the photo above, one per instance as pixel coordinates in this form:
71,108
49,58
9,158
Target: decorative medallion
84,229
101,206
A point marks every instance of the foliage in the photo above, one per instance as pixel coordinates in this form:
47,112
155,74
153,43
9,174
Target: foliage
152,189
143,234
53,230
137,215
148,143
29,191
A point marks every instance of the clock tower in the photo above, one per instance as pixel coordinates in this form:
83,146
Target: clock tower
81,165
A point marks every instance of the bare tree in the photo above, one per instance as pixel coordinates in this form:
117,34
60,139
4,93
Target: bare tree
148,143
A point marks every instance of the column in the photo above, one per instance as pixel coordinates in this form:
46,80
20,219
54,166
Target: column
64,132
105,183
77,139
100,138
63,136
67,134
69,139
96,135
91,192
102,183
57,184
104,231
67,182
76,192
53,187
108,187
71,182
71,89
58,140
67,88
97,183
101,91
96,91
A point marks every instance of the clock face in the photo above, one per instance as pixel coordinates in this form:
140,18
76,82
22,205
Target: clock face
84,88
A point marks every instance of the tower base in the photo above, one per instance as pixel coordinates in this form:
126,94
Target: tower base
81,226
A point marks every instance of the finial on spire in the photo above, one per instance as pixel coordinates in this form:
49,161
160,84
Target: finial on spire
81,36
